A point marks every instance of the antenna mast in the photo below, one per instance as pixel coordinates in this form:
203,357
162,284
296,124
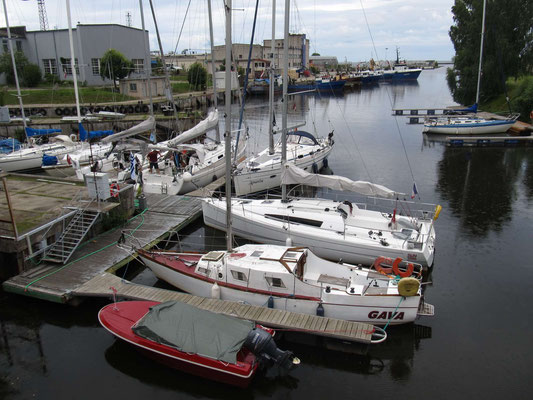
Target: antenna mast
43,19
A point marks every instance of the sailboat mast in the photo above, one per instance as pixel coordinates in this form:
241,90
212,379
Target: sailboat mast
148,67
285,97
19,96
73,62
213,66
481,53
271,86
227,126
165,70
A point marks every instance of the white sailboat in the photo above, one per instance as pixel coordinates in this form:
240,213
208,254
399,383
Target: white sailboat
263,171
471,124
334,230
189,166
292,278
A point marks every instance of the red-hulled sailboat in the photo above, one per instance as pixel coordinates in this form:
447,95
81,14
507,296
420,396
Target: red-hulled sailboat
199,342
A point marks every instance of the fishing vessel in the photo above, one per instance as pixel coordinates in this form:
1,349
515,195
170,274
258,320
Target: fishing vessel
182,337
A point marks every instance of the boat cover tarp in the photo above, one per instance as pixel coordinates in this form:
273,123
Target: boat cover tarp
145,126
84,135
9,145
293,175
198,130
38,132
196,147
193,330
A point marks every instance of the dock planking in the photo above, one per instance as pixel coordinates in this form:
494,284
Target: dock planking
99,286
163,215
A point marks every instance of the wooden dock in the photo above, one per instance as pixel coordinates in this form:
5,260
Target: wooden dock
111,250
489,141
101,286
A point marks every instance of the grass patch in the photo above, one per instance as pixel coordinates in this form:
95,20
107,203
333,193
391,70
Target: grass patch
180,87
520,92
65,96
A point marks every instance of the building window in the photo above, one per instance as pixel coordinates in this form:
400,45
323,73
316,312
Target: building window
6,47
50,66
95,64
274,282
133,87
19,45
238,275
67,68
138,65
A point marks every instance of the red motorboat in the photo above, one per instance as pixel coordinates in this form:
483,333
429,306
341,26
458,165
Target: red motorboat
199,342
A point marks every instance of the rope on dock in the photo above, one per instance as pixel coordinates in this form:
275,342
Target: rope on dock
90,254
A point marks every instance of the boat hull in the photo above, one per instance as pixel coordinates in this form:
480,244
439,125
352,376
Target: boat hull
268,178
120,321
327,244
490,127
377,310
401,75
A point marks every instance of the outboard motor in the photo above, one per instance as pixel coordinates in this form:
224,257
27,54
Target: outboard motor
261,343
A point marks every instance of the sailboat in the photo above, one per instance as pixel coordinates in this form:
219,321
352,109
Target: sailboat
30,156
189,166
289,277
471,124
263,171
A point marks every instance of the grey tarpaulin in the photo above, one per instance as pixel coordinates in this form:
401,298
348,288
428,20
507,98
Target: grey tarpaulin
192,330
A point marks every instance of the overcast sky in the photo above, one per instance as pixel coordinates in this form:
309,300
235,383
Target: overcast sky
353,30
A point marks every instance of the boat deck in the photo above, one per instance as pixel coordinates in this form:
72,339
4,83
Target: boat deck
163,216
99,286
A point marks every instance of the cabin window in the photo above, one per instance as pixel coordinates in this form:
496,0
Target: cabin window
256,253
296,220
291,254
238,275
274,282
204,271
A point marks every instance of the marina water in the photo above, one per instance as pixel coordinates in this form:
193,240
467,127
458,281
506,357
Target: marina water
476,346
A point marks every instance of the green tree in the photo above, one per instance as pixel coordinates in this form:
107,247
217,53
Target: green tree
114,65
316,54
197,76
508,46
31,75
6,66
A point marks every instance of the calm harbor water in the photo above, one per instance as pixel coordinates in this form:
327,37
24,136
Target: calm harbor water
476,346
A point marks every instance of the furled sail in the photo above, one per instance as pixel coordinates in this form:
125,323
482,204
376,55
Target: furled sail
293,175
198,130
144,126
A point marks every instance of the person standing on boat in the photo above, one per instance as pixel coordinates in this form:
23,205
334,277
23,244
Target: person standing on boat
153,156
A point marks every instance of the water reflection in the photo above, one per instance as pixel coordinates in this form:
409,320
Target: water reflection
480,185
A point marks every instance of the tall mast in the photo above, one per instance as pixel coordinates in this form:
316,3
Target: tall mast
227,126
285,97
167,79
73,63
148,67
213,67
481,52
271,86
19,96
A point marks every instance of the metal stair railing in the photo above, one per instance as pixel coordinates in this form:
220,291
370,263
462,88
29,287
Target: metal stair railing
72,236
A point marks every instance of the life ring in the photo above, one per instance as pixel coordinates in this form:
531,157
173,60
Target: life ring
378,267
114,189
397,271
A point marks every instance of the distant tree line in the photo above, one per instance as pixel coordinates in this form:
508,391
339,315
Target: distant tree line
507,52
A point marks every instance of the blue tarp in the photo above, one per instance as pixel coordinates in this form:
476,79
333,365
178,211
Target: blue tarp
37,132
49,160
9,145
84,135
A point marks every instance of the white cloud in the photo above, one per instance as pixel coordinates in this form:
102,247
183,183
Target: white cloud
335,27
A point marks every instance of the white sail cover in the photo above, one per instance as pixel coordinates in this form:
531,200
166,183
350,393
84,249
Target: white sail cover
196,147
198,130
144,126
292,175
